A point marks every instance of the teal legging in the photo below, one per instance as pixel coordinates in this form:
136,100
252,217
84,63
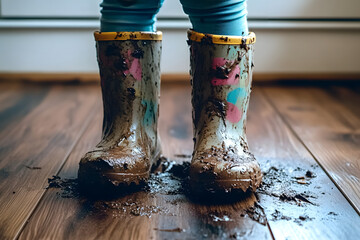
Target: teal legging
223,17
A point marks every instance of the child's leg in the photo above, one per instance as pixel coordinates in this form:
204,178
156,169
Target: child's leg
223,17
221,51
129,15
128,52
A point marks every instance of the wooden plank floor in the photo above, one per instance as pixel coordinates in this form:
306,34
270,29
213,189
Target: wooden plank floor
305,138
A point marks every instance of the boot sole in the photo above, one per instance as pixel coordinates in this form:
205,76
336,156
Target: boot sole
117,178
127,178
91,179
226,185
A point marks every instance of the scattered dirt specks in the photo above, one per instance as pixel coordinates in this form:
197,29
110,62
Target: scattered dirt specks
277,215
289,200
257,213
292,192
69,187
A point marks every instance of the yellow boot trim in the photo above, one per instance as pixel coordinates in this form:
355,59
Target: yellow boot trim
221,39
122,36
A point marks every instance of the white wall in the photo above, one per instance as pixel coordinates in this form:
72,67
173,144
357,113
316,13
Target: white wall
294,9
309,44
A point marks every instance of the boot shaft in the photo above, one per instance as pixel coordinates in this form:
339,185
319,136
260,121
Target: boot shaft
129,66
221,71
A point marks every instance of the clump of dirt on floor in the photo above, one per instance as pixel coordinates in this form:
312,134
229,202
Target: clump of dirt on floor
277,215
286,185
278,183
120,209
169,178
69,187
257,213
301,219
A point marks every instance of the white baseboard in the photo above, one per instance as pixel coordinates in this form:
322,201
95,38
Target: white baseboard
65,46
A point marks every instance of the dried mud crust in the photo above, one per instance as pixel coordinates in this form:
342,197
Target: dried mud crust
215,169
96,182
123,157
113,172
224,170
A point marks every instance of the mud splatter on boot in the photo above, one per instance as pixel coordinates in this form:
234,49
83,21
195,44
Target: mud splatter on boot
129,65
221,71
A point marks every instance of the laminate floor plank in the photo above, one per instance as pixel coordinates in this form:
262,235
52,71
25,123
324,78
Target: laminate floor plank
36,146
9,94
17,100
56,216
159,215
287,188
299,199
349,96
328,129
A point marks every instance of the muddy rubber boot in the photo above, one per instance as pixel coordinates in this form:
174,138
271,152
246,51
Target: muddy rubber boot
129,64
221,71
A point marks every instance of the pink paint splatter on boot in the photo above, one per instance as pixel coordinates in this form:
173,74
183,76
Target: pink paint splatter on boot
233,114
134,66
233,75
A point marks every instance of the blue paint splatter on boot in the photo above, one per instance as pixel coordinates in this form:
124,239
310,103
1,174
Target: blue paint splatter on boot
150,113
233,96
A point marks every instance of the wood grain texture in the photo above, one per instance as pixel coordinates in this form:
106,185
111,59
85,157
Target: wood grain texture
347,96
275,141
49,122
328,129
17,100
275,145
175,216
